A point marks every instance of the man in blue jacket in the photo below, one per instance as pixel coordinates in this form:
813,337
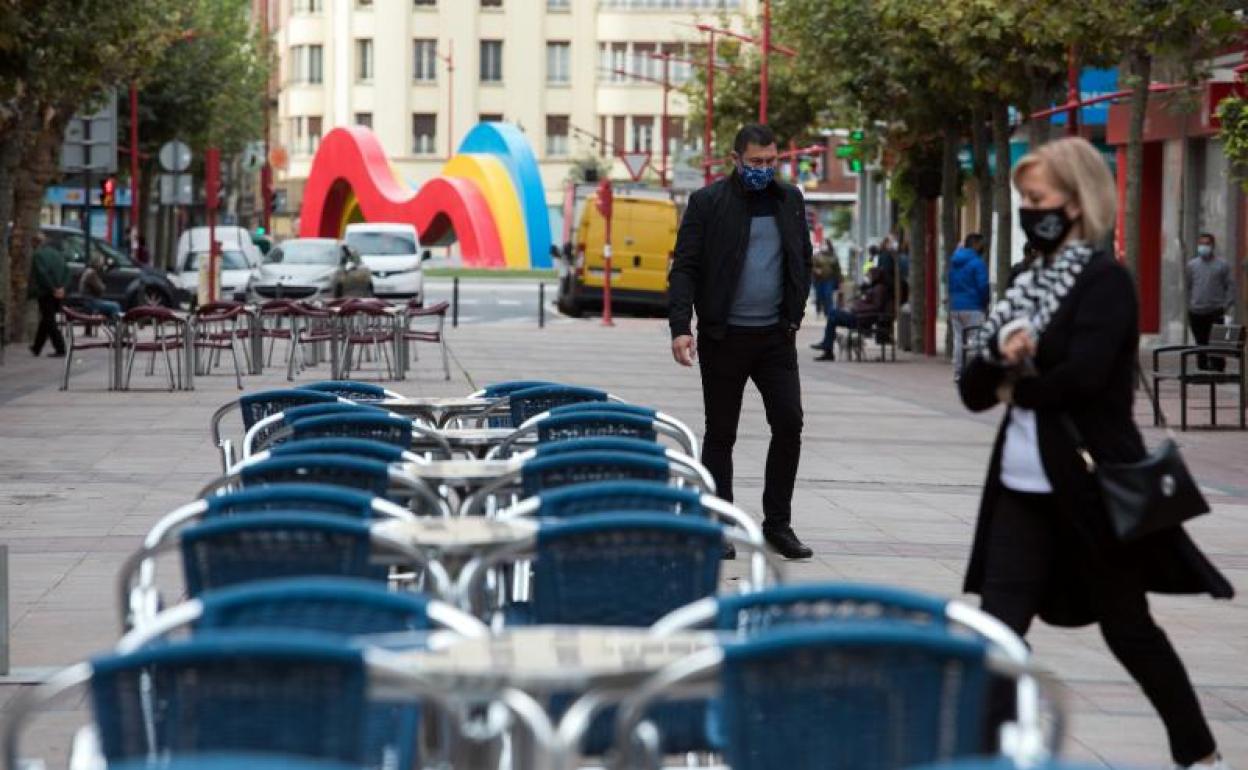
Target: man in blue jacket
968,294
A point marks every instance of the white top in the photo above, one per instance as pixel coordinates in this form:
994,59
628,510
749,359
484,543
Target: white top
1021,468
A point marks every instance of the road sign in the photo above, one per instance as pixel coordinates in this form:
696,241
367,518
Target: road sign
176,190
253,157
635,162
174,156
91,140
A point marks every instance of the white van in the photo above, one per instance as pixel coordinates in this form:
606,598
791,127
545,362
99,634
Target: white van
392,252
239,257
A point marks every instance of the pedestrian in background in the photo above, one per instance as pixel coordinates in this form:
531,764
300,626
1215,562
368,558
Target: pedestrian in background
91,287
49,275
1210,296
876,301
743,261
141,254
1060,351
968,295
827,278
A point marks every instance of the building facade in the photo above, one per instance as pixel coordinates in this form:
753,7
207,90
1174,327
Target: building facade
577,76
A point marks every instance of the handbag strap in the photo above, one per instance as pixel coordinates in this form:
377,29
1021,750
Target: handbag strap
1081,446
1152,400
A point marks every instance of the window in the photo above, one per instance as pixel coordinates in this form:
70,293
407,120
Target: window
491,61
680,71
364,119
315,61
364,59
491,3
298,63
643,134
424,133
644,63
314,133
425,3
556,136
490,117
308,6
425,60
619,125
613,60
558,5
558,62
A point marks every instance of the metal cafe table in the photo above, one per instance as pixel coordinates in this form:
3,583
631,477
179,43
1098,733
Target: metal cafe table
474,442
438,411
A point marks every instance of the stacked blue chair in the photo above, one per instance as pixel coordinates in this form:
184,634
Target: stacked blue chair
530,402
501,418
688,442
389,429
254,407
335,445
352,390
275,428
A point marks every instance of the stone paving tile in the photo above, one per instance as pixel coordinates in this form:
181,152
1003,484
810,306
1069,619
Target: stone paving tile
887,492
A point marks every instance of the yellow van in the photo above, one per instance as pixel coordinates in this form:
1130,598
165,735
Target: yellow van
643,235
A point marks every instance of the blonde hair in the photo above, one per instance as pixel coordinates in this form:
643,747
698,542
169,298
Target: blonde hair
1079,170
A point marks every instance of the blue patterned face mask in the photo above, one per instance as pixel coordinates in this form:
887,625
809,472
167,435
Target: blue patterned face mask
755,178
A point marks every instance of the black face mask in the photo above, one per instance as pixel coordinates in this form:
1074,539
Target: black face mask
1045,228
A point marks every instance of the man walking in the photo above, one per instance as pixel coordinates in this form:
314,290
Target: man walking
743,262
49,275
1210,296
968,295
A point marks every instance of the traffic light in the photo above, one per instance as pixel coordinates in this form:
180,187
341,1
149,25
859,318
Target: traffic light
852,151
108,190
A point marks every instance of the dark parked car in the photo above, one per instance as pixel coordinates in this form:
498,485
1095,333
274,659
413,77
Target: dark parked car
124,281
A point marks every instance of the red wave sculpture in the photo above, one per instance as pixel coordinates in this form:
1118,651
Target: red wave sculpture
350,160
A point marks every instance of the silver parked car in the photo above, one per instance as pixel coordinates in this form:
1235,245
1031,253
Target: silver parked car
310,268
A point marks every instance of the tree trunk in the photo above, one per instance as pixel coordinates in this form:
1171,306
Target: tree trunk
1141,70
1001,193
981,136
37,167
1038,130
950,187
10,152
918,274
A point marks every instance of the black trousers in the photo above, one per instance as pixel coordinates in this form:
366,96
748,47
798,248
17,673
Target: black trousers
1202,324
48,330
1021,553
769,358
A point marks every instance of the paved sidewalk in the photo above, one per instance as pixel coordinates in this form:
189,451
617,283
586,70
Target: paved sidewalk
888,489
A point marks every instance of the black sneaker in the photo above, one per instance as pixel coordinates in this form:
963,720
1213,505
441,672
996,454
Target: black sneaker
816,346
785,543
827,355
32,350
730,552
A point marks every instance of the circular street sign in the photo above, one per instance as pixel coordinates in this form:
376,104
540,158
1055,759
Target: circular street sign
175,157
278,157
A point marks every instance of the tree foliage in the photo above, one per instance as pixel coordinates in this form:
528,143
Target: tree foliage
1233,113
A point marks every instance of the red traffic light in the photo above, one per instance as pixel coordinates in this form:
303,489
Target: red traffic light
108,188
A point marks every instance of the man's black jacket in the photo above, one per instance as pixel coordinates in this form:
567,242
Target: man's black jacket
710,254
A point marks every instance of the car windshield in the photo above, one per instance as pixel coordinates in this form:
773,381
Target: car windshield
71,245
230,260
381,244
304,253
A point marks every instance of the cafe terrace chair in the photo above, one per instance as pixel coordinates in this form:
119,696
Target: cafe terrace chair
333,445
679,430
77,322
156,330
864,695
587,424
342,420
217,327
352,390
388,480
499,416
253,407
1004,763
264,431
529,402
241,549
304,695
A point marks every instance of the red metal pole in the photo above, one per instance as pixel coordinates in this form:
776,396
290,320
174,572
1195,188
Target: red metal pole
707,141
266,171
1072,94
762,84
667,87
135,210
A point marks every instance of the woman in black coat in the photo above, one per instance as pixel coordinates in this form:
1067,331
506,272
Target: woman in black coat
1064,341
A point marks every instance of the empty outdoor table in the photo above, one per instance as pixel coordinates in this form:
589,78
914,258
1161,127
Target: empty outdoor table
438,410
453,542
461,474
471,441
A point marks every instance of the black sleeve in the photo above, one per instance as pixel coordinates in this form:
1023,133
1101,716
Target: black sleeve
1104,317
682,281
808,252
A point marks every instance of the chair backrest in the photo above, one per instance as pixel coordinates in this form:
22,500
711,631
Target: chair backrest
595,424
618,496
298,497
334,445
371,476
346,606
279,307
242,549
601,444
270,435
349,389
276,693
256,406
154,313
389,429
541,473
802,604
1001,763
1229,336
531,402
83,317
606,406
500,389
623,569
864,696
233,761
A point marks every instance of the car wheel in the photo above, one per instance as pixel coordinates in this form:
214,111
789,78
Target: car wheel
152,296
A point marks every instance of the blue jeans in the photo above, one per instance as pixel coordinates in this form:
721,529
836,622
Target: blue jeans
823,296
836,317
105,307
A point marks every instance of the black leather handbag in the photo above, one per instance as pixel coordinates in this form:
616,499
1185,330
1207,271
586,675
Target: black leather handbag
1151,495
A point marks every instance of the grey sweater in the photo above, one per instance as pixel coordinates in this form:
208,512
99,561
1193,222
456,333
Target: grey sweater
1210,285
760,290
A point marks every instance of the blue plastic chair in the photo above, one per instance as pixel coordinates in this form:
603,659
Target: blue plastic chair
276,693
530,402
273,429
340,445
501,390
613,496
670,425
542,473
234,761
372,476
242,549
600,444
1003,763
254,407
386,428
299,497
352,390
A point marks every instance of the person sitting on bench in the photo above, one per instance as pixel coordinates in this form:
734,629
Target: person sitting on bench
874,302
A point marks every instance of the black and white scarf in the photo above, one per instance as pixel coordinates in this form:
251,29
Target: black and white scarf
1035,296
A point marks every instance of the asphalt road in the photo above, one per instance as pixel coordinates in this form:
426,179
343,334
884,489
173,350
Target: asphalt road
483,300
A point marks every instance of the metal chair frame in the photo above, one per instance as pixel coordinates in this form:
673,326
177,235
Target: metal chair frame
687,439
275,427
437,335
225,446
162,341
531,428
77,318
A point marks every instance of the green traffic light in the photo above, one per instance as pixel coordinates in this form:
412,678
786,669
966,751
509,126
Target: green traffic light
260,231
857,135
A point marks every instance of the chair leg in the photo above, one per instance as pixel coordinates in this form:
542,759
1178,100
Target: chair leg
168,365
1213,404
446,364
69,359
238,374
1156,403
130,367
1183,405
290,359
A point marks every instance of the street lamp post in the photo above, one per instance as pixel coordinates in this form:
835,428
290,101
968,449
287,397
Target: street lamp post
449,58
266,169
762,80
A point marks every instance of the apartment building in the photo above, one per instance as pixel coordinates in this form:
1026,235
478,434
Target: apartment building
422,73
